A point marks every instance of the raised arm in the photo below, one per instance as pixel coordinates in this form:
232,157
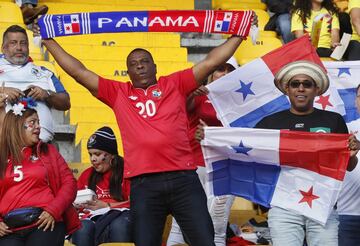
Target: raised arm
73,66
215,58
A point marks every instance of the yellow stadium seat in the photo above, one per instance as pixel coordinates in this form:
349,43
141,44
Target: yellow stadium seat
67,8
66,243
77,169
70,84
83,52
267,34
124,39
236,4
242,204
327,59
10,12
79,114
84,99
247,51
5,25
129,4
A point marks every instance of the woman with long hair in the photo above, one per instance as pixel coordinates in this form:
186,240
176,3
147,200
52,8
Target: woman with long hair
36,186
303,15
105,179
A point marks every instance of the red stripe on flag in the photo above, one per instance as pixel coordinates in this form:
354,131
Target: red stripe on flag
323,153
299,49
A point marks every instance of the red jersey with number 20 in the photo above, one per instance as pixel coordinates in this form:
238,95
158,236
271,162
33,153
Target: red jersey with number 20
153,122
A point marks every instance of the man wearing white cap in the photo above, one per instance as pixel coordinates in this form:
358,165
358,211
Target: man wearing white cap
302,81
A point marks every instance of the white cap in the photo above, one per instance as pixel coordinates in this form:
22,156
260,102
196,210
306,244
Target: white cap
232,61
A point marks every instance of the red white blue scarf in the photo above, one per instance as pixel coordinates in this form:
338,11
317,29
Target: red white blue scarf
201,21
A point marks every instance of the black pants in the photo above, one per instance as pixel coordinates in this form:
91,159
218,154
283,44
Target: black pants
154,196
36,237
353,51
324,52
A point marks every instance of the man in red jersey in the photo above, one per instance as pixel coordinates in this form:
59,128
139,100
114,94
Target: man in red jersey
158,158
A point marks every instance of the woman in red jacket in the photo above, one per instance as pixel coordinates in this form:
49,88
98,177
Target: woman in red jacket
111,203
36,186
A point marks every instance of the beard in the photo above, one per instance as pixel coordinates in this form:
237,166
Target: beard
17,60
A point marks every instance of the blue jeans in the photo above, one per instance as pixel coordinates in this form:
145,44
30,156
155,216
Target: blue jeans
119,230
283,25
36,236
289,228
154,196
349,230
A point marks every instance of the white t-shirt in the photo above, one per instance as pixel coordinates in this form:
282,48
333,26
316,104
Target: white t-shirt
349,198
21,77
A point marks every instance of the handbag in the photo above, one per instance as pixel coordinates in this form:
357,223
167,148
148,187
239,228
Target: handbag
21,217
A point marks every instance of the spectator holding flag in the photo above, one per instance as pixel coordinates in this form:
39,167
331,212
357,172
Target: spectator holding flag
200,108
305,15
151,113
348,205
302,81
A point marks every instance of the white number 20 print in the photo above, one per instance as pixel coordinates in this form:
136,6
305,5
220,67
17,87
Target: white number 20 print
148,109
19,175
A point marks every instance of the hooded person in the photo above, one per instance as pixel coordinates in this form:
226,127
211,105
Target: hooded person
302,81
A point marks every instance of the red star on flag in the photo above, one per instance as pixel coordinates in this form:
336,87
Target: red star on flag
324,101
308,196
68,28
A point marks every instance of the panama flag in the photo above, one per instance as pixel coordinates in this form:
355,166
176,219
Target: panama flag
222,21
71,24
248,94
259,165
245,96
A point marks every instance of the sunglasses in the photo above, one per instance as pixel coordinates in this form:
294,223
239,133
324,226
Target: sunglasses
307,84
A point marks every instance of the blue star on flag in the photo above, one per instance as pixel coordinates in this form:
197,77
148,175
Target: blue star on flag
241,149
245,89
345,70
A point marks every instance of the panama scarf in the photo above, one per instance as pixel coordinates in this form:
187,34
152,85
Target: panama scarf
201,21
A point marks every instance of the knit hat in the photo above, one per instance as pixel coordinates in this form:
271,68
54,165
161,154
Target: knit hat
103,139
317,73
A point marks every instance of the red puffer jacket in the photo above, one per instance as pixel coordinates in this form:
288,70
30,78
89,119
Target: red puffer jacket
63,184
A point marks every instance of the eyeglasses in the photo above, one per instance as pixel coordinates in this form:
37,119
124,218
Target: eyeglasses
307,84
